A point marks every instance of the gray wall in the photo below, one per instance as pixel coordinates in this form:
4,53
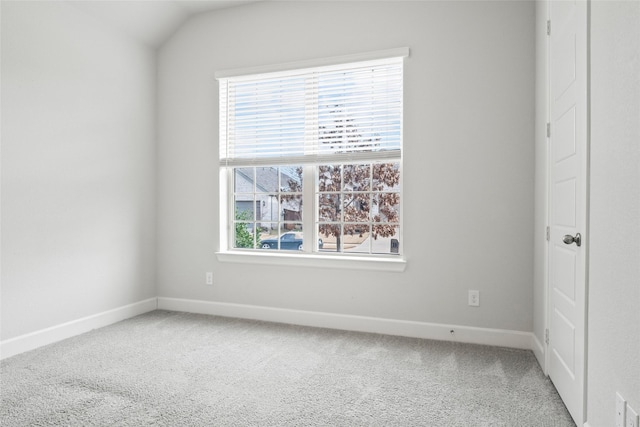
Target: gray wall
468,150
78,164
614,272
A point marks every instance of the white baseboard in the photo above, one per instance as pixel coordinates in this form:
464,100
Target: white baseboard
466,334
66,330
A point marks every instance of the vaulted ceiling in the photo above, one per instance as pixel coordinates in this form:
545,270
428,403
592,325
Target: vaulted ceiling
150,21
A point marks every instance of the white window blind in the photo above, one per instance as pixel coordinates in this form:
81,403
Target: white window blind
339,113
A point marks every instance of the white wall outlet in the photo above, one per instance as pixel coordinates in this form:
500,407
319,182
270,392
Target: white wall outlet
621,410
474,298
632,417
209,278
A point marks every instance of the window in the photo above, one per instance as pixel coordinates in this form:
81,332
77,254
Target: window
311,158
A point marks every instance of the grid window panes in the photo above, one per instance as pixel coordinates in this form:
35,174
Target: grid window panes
358,208
268,207
313,158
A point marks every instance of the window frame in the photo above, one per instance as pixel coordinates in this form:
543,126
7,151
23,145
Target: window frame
309,256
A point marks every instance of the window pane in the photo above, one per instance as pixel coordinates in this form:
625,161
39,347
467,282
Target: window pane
329,207
356,238
291,179
386,177
291,207
328,237
267,180
385,239
267,229
356,177
246,207
329,177
269,209
356,207
243,234
386,207
243,179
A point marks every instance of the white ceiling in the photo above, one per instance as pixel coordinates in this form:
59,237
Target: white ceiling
150,21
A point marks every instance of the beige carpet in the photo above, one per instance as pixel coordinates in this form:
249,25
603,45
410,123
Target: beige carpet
177,369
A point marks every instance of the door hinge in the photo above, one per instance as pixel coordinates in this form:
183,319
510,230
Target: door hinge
548,233
548,130
546,336
549,27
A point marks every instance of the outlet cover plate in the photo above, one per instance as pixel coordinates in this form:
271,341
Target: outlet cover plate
474,298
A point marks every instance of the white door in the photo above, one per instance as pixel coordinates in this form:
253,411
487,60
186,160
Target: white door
568,202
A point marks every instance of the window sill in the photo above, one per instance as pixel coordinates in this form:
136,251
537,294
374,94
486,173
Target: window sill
382,263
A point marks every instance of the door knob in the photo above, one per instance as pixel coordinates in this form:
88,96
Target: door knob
569,239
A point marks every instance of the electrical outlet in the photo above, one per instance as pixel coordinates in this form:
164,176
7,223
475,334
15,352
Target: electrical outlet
474,298
621,410
632,417
209,278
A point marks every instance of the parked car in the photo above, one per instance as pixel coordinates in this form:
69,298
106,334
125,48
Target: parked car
288,241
